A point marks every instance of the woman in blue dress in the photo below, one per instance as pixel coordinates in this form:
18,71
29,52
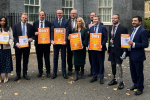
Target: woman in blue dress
6,65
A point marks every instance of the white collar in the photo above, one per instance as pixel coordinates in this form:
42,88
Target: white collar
22,23
42,21
137,27
61,19
73,19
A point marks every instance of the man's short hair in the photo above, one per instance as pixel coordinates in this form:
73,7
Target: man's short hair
97,16
117,15
24,14
60,9
43,11
139,18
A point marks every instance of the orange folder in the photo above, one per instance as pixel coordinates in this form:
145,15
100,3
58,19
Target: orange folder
124,39
4,38
59,35
90,25
43,36
23,41
95,41
75,41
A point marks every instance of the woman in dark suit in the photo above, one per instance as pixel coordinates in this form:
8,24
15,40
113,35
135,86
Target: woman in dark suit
80,55
6,65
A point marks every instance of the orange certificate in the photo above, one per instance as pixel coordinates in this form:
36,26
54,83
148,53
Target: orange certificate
124,39
90,25
95,41
75,41
23,41
4,38
43,36
59,35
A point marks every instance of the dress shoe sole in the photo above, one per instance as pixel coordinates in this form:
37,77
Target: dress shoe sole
112,84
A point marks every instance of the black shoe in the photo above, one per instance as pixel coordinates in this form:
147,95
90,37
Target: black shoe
69,73
138,92
113,82
17,78
48,75
93,80
54,76
65,76
39,75
121,85
26,77
132,88
101,81
90,75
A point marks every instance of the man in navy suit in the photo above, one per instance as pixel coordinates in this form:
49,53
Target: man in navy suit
42,49
115,51
138,41
98,55
88,28
21,29
59,22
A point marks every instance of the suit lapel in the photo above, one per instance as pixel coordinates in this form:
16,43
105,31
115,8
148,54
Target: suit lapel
20,29
62,22
137,33
117,32
92,29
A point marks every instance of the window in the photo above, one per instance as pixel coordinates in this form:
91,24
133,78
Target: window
67,6
149,6
105,10
32,8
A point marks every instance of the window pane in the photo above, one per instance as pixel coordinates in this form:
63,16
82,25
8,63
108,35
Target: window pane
36,2
101,3
101,18
67,3
70,10
101,11
109,11
26,1
66,11
26,9
109,3
32,2
63,3
105,3
36,10
30,9
104,18
71,3
30,17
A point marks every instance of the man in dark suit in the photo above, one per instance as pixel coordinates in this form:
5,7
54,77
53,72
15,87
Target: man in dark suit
72,23
42,49
138,41
21,29
114,49
98,55
88,28
59,22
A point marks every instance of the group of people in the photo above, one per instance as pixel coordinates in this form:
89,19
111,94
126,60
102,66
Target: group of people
138,41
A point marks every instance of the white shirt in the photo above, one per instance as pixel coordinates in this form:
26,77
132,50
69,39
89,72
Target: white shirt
74,23
40,23
25,28
136,29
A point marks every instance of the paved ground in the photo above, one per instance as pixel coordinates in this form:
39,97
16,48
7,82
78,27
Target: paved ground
64,89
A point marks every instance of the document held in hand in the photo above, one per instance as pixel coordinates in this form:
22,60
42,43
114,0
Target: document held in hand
95,41
4,38
23,41
75,41
90,25
59,35
43,36
124,39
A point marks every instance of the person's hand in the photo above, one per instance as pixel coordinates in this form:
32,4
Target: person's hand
18,45
123,56
52,42
101,46
36,33
68,37
64,43
88,32
130,42
88,47
29,40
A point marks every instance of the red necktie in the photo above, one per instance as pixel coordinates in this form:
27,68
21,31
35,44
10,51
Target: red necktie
95,29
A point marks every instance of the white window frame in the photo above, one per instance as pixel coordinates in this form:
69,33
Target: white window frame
105,23
33,6
68,8
149,7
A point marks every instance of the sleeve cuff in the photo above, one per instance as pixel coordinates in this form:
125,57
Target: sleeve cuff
133,46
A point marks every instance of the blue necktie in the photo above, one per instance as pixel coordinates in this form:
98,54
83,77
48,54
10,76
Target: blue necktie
23,30
41,24
132,34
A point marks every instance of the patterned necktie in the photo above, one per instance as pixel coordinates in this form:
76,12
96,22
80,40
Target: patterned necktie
72,24
23,30
114,31
95,29
131,38
41,24
59,22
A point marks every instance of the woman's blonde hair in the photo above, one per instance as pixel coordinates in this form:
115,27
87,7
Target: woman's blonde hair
82,23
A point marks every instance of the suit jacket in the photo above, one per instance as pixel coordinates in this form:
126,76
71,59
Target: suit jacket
90,23
35,29
102,29
70,29
64,24
141,41
17,31
117,40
